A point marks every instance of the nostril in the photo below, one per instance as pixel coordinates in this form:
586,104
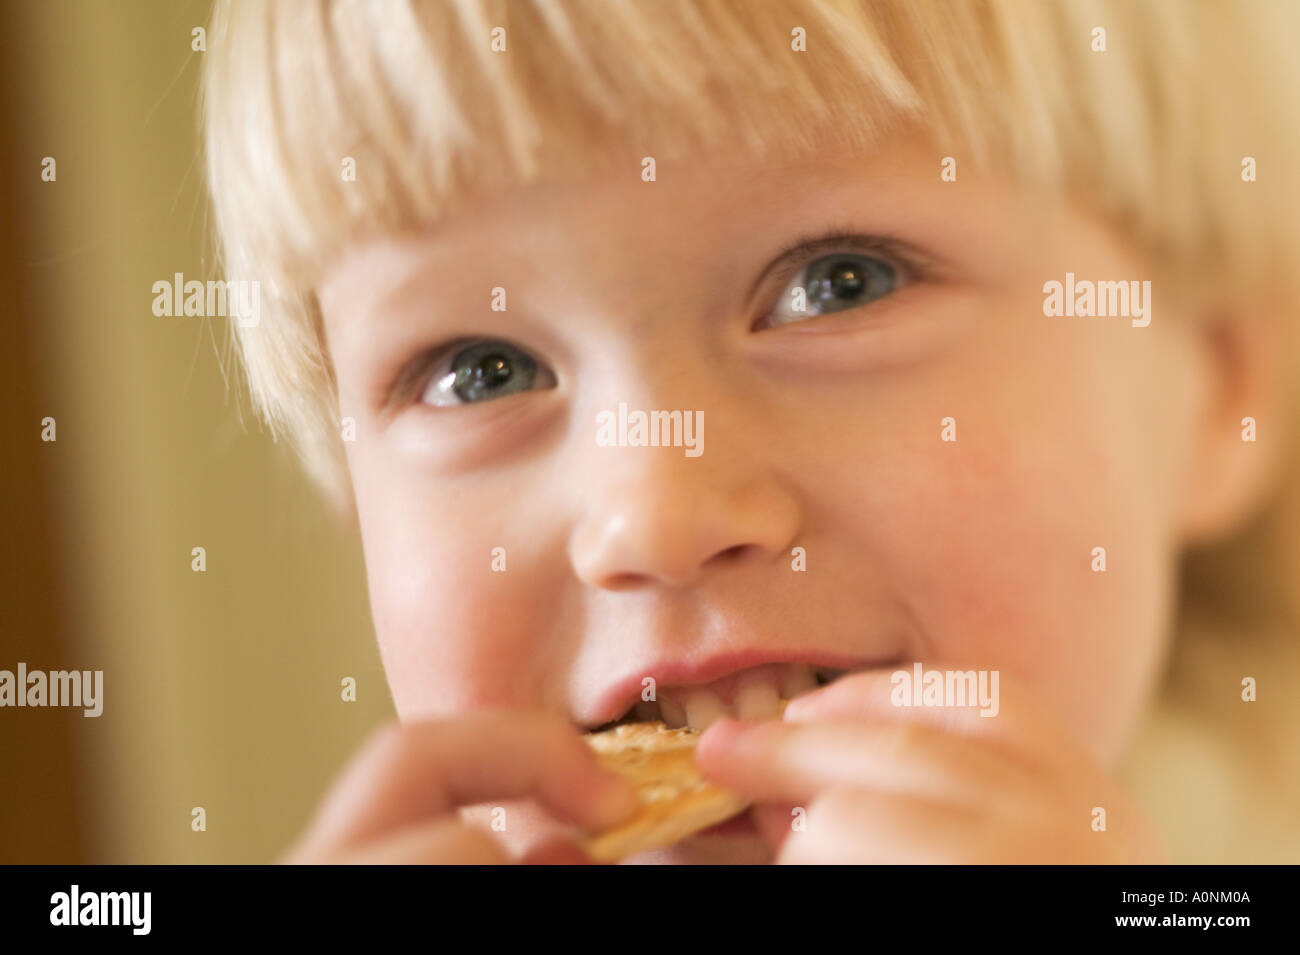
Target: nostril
732,554
617,582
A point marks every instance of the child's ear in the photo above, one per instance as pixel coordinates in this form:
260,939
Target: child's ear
1248,421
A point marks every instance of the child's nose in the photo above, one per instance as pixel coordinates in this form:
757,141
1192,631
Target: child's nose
656,517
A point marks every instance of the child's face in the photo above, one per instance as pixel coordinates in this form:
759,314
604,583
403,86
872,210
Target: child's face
824,433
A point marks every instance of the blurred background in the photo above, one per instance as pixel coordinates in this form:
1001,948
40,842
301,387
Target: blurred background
221,688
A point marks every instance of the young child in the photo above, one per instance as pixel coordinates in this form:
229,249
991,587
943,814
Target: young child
748,351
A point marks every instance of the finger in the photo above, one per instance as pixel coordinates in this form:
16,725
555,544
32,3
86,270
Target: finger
557,851
412,772
793,762
775,821
1014,720
444,841
847,826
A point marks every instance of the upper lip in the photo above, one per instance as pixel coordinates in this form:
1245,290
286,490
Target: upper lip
625,691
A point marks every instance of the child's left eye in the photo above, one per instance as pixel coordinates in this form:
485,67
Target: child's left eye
471,373
833,283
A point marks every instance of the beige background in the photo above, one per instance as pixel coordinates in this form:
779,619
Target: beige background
222,689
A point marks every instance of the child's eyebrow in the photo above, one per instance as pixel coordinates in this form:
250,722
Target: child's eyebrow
400,272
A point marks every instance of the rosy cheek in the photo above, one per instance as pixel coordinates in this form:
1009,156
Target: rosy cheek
443,663
454,634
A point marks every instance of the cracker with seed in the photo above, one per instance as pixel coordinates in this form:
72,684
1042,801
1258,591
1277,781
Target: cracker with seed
676,800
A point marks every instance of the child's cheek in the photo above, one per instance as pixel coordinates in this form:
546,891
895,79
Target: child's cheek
1027,544
460,618
1019,584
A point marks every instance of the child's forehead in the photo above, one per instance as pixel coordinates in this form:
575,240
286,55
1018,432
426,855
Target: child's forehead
629,184
733,184
721,214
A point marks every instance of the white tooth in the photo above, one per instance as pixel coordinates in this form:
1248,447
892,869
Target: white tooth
647,711
703,707
673,713
797,678
757,697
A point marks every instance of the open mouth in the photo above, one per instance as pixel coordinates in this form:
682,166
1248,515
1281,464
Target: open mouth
755,693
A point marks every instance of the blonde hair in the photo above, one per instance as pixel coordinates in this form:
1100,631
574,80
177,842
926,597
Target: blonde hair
1150,134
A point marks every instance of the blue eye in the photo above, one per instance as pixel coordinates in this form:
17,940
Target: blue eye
482,371
834,283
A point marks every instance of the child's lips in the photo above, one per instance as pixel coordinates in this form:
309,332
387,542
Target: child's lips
752,694
749,692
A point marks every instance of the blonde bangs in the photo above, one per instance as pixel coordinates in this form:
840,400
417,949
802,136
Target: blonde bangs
1150,133
433,118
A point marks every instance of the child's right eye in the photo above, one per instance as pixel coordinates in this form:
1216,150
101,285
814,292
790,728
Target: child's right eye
836,283
480,371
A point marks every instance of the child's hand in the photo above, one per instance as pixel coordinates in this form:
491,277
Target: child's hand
887,784
397,801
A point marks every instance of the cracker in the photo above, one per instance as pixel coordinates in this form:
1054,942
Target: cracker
676,800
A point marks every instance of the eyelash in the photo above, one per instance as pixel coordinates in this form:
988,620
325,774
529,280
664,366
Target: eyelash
810,247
